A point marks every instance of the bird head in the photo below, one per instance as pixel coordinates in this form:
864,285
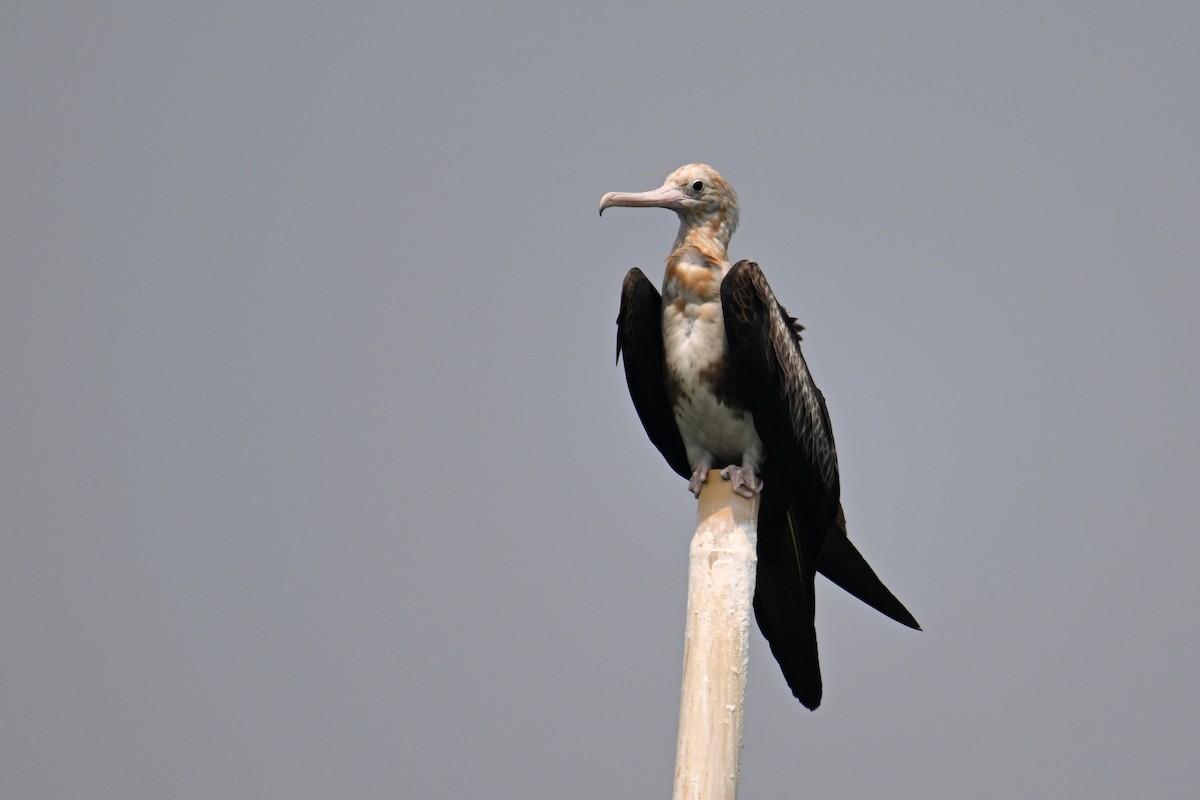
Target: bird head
696,192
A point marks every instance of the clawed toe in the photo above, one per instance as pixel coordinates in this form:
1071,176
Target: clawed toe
699,475
745,482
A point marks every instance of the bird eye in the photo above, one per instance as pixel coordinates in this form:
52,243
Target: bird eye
697,186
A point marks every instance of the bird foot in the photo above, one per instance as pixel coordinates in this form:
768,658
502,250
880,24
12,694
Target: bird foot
699,476
745,482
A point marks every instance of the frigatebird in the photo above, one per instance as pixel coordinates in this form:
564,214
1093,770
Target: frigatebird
714,368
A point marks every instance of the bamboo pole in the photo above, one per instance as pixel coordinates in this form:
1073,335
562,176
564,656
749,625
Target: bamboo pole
723,563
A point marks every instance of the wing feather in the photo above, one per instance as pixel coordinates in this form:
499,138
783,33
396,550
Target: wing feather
791,417
639,340
789,409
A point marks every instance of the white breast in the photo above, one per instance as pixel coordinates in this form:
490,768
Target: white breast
694,340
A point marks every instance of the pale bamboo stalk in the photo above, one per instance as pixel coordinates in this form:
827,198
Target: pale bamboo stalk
721,575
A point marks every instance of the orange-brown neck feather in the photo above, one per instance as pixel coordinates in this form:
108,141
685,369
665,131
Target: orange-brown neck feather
698,262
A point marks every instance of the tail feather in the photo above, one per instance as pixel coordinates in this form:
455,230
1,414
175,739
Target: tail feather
785,602
841,562
790,553
783,606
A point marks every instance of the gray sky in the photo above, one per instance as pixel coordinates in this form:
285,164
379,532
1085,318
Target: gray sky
318,479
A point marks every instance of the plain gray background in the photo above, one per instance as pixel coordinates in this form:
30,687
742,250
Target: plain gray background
318,479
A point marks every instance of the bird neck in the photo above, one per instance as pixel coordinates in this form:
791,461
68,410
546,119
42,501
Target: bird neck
695,267
709,238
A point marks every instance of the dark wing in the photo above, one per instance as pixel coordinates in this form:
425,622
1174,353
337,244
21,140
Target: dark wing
789,410
798,530
800,493
639,339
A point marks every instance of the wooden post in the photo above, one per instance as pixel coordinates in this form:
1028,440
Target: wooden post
723,564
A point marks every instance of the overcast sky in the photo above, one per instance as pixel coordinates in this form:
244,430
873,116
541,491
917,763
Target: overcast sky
318,479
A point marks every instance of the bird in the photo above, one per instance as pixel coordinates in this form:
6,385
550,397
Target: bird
717,377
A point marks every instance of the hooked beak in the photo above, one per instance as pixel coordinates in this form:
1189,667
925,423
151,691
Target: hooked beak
665,196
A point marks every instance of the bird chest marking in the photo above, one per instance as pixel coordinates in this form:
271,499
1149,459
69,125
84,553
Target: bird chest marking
708,404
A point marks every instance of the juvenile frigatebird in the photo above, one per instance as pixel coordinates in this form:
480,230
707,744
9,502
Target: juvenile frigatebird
716,374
